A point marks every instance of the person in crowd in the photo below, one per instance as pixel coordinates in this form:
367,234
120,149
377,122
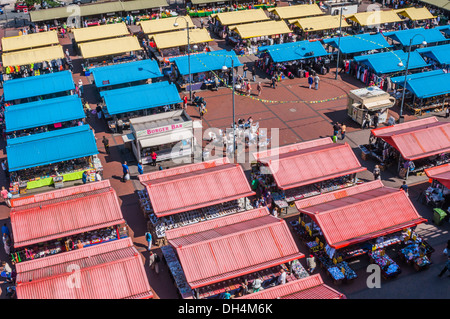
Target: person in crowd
148,238
259,88
154,156
84,177
105,142
140,168
310,80
125,171
343,129
282,277
446,267
257,284
5,195
316,81
376,172
98,109
404,187
311,264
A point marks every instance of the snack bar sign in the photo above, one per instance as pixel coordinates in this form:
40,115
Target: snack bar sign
161,129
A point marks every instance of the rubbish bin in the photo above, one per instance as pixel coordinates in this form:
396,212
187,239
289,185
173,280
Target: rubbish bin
438,216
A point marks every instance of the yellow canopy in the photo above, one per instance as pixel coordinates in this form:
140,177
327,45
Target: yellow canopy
107,47
143,4
101,8
28,41
239,17
415,14
374,17
319,23
100,32
52,13
179,38
252,30
165,25
27,57
298,11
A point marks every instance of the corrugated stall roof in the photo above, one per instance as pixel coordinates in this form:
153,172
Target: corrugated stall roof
238,17
43,217
350,218
214,254
311,287
111,270
109,47
417,139
31,56
294,50
311,165
100,32
440,173
214,182
358,43
28,41
165,25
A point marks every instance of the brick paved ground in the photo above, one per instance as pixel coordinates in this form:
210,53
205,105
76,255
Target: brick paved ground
290,108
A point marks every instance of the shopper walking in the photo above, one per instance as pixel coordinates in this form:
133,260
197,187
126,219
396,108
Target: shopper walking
98,109
148,238
185,101
375,120
404,187
311,264
140,168
126,172
7,244
6,269
282,277
245,68
259,88
202,110
273,82
343,129
253,73
316,82
80,87
249,89
376,172
447,112
446,267
366,121
154,156
84,177
105,142
5,196
310,80
5,230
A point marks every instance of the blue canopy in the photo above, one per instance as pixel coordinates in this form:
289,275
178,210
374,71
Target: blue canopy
359,43
405,36
50,147
203,62
38,85
401,79
387,62
426,84
292,51
439,53
126,72
44,112
140,97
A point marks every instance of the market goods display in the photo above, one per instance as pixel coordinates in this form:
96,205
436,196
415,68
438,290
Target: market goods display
298,270
336,273
176,270
387,265
349,273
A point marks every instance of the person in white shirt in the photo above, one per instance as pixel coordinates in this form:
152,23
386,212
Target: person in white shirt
282,278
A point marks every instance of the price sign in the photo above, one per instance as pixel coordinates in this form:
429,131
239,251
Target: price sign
25,10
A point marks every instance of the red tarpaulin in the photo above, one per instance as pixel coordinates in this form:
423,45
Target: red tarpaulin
311,287
310,162
113,270
440,173
69,211
417,139
360,213
194,186
232,246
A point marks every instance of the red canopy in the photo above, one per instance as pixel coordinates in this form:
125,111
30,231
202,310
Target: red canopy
232,246
417,139
111,270
311,287
310,162
74,210
440,173
360,213
194,186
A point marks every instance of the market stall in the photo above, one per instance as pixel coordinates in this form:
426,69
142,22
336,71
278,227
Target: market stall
246,38
204,68
303,170
169,134
47,278
166,25
26,63
38,87
437,194
147,99
206,203
369,101
402,39
381,20
125,74
438,56
426,92
174,43
100,32
29,41
413,146
317,27
44,224
42,116
222,21
337,227
413,15
203,8
293,59
66,152
378,69
296,11
311,287
97,53
258,245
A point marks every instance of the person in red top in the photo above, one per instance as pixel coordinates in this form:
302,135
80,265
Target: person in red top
154,156
185,99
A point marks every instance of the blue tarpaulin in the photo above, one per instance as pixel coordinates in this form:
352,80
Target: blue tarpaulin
38,85
292,51
140,97
387,62
203,62
50,147
358,43
126,72
426,84
44,112
404,36
439,53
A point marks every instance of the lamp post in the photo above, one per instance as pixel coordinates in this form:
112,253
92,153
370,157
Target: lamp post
224,68
175,24
339,42
400,119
